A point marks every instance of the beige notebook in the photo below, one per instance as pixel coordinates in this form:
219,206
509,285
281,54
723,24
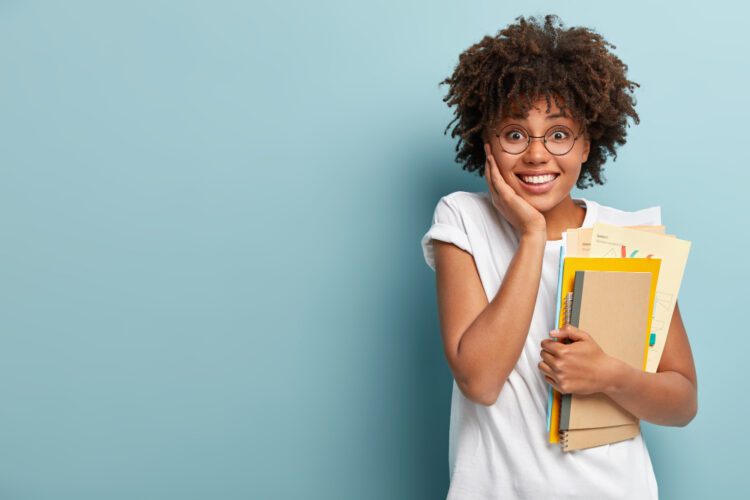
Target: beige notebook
613,307
579,439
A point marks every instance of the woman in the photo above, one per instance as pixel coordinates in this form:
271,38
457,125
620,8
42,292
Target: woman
538,109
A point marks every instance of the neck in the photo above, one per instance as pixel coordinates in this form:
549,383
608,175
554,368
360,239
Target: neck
565,215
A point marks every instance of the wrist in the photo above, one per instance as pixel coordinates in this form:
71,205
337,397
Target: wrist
536,232
535,236
614,375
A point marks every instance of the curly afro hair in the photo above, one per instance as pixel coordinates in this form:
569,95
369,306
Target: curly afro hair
504,75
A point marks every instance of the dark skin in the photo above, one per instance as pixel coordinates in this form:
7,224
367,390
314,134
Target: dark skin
667,397
483,339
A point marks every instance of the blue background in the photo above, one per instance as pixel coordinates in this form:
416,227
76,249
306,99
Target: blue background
211,283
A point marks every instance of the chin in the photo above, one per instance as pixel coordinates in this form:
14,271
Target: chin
543,203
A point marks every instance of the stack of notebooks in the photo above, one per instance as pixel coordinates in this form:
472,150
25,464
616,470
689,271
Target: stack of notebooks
620,285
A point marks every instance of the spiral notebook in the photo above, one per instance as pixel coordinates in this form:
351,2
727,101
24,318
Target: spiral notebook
613,307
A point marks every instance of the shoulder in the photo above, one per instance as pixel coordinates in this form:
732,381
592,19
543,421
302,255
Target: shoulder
462,218
650,216
462,210
467,202
468,209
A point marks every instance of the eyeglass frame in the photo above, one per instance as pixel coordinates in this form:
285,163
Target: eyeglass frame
543,137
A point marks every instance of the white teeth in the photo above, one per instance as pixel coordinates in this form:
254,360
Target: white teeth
537,179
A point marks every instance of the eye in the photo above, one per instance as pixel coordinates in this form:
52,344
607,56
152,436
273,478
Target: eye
559,134
514,135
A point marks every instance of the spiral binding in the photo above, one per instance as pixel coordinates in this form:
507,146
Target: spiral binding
564,440
568,311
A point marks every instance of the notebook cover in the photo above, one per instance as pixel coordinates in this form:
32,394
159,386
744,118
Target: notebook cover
570,266
613,308
588,438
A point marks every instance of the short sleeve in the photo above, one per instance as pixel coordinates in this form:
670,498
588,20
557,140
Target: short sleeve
647,217
644,217
657,215
448,226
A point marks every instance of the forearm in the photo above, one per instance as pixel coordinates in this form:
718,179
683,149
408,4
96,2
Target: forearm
490,347
663,398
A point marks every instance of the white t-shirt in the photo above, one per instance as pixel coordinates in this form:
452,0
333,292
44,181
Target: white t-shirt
501,451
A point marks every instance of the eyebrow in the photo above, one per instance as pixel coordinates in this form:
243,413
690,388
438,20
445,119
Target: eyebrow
549,117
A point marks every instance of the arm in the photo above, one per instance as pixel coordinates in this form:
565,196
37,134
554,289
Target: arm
483,341
667,397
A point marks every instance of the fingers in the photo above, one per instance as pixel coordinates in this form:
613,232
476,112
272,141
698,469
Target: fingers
550,361
496,173
497,179
488,169
549,376
570,332
545,368
552,347
500,187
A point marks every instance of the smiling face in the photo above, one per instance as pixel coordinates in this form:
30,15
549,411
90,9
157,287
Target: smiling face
539,177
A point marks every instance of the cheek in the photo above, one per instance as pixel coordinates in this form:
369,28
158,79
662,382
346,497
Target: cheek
574,172
505,164
572,169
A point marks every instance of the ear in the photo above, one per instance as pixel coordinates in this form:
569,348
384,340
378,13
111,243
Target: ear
586,149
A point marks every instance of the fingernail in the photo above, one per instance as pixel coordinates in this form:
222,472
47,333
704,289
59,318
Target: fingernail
554,332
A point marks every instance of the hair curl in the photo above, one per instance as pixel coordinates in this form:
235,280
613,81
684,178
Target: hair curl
528,60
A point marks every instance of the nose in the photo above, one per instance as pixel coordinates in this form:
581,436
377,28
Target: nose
536,152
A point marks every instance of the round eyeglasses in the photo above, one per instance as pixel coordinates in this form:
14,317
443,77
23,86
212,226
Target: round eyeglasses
558,140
